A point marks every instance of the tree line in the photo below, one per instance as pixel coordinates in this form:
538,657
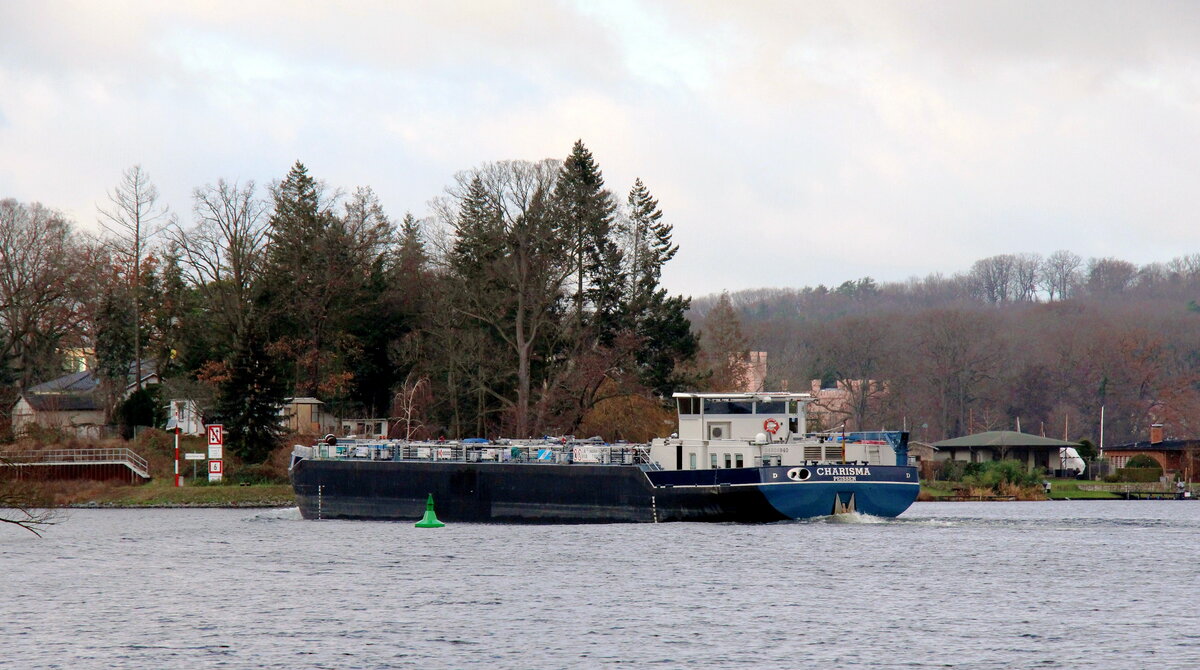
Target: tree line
528,298
1045,344
528,302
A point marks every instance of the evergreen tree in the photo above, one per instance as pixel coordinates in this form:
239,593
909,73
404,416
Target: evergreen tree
295,294
171,309
114,342
322,287
587,211
412,256
250,399
650,245
509,262
660,320
668,343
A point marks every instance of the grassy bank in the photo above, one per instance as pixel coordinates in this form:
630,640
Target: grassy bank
1060,489
1068,489
161,493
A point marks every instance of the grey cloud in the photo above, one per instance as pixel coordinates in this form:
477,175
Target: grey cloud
916,136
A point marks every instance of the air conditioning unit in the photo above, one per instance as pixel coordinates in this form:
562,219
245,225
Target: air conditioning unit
719,431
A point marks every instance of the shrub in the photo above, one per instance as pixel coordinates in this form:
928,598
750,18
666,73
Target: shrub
995,475
1138,474
951,471
142,408
262,473
1086,450
1143,461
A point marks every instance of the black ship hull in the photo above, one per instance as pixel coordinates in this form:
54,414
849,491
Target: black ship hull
583,493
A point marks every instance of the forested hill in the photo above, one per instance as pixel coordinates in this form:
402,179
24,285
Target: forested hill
1043,341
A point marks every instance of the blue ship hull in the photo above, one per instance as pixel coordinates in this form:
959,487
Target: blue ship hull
582,493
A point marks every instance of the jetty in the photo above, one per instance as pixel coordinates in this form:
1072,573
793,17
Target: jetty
119,464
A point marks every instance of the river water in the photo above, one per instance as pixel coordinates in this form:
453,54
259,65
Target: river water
947,585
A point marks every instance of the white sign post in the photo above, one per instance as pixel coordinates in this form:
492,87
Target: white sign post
216,451
194,456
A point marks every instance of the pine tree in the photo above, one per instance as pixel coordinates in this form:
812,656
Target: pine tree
588,211
650,244
318,286
114,343
667,343
250,400
660,320
412,256
291,292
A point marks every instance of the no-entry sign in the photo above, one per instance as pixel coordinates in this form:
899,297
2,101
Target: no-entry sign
216,451
216,441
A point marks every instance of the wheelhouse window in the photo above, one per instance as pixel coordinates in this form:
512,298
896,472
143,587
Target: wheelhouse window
689,406
728,407
772,407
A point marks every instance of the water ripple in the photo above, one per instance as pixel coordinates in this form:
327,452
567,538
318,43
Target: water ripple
948,585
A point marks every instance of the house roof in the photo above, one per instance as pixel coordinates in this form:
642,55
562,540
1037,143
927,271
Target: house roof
62,402
85,381
1003,438
1165,445
75,392
303,401
76,382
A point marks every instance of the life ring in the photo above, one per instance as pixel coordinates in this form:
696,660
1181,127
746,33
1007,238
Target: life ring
771,426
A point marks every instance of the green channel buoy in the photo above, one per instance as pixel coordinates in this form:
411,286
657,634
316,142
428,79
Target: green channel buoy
430,519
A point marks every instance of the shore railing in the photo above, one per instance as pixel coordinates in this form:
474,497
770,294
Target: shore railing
97,456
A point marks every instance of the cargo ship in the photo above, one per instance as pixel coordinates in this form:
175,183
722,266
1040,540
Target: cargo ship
737,457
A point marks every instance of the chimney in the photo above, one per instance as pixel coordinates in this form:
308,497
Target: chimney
1156,433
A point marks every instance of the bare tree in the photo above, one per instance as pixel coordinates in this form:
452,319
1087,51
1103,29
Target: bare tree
1026,268
368,227
23,505
509,255
409,403
955,353
43,265
1107,276
132,217
1187,267
725,350
855,351
993,278
224,250
1060,274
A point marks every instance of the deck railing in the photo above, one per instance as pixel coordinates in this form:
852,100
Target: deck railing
119,455
627,454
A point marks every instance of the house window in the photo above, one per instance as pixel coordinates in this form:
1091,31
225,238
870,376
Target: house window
737,460
728,461
692,461
713,459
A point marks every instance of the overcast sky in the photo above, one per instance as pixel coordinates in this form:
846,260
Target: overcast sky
789,143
